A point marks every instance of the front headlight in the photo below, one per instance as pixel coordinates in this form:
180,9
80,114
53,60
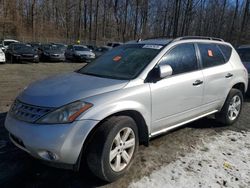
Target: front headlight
35,56
65,114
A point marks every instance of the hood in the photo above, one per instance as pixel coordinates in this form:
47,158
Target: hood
54,51
84,52
66,88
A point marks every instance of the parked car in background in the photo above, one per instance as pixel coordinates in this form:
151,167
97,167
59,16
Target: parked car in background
35,45
102,50
79,53
19,52
244,52
92,47
6,42
2,56
51,52
60,46
114,44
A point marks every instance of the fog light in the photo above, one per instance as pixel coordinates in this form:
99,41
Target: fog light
48,155
51,156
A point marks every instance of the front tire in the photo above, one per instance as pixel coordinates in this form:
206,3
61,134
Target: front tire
113,147
231,110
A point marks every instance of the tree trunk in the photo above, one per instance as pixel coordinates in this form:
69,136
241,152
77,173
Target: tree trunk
244,20
32,18
221,21
96,19
125,21
176,18
234,18
79,20
136,19
104,18
90,20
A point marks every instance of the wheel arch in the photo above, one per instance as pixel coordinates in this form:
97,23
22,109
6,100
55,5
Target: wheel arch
143,132
240,86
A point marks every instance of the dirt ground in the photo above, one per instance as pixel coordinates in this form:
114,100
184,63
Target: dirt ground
18,169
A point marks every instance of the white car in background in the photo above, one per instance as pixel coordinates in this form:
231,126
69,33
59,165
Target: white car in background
6,42
2,56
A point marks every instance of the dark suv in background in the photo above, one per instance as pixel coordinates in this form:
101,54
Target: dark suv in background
19,52
244,52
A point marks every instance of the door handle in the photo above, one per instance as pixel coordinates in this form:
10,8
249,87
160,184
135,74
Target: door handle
229,75
197,82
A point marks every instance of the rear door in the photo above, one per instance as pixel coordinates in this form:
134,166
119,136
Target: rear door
217,73
177,98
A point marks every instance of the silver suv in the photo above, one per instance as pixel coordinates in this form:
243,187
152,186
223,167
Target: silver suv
102,112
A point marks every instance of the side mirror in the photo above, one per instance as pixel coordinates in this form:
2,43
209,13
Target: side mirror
165,71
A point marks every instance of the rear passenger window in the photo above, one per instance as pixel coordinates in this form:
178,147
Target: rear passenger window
181,58
226,50
211,55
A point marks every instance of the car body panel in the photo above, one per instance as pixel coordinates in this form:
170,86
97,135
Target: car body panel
2,56
65,140
73,87
186,104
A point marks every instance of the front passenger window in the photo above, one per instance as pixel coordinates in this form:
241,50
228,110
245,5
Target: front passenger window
181,58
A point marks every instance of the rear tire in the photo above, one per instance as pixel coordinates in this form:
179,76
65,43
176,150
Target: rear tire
113,147
231,110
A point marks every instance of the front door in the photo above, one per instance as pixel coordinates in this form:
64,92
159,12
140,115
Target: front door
177,98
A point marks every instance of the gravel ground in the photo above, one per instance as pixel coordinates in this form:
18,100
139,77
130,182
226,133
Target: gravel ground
20,170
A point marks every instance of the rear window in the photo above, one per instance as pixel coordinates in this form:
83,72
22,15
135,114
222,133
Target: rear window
211,55
226,50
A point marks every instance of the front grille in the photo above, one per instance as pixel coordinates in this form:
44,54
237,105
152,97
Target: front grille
27,55
55,55
26,112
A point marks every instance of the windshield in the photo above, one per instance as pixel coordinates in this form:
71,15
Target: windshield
103,49
7,43
80,48
22,47
50,47
124,62
61,47
244,54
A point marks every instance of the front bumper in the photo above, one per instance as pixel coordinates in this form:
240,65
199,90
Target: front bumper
2,60
27,58
56,58
59,144
84,58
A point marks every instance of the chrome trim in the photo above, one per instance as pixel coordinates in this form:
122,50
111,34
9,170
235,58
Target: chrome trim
180,124
28,113
17,145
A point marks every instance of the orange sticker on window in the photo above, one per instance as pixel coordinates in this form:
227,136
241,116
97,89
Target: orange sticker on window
117,58
210,53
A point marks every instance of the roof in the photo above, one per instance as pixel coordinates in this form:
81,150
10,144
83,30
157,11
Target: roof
156,41
76,45
165,41
244,46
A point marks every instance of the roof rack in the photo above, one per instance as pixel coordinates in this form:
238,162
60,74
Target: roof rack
198,37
